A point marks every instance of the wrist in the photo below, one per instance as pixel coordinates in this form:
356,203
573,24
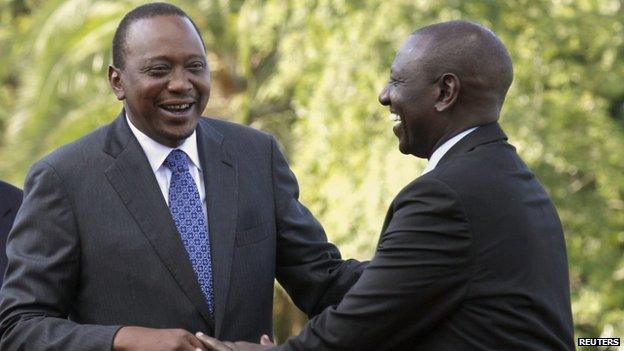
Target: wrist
120,340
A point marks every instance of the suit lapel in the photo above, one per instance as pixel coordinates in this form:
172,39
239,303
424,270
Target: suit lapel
220,179
134,181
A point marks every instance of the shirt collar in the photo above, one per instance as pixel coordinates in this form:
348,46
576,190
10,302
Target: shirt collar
157,153
444,148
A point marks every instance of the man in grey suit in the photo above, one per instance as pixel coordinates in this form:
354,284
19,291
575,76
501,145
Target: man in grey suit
162,223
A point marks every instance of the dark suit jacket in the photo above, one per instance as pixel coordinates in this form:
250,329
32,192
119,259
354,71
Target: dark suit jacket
10,201
471,257
95,247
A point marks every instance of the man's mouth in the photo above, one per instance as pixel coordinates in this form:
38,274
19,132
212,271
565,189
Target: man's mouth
397,128
395,117
177,108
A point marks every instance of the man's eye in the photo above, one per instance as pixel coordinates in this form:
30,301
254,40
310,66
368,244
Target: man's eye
157,70
196,66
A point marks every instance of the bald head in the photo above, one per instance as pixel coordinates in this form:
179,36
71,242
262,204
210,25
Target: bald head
446,78
475,55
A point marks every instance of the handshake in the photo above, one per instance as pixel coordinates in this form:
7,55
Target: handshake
139,338
216,345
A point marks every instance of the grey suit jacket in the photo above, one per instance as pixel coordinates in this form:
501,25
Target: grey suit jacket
94,246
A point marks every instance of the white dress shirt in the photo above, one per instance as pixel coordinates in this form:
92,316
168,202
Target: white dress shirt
444,148
157,153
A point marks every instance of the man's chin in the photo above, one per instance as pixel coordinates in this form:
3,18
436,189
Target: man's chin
403,150
174,138
404,147
407,150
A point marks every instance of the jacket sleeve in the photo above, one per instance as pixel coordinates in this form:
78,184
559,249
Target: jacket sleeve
43,271
420,273
309,268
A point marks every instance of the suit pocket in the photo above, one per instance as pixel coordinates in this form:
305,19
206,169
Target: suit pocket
254,234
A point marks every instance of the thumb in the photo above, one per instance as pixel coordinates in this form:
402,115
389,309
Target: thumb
265,340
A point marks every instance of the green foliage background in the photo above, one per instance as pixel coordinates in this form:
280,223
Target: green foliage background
310,71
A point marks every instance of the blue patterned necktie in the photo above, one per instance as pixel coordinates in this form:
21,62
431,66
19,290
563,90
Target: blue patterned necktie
186,209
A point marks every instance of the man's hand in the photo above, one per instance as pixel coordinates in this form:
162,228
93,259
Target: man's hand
213,344
147,339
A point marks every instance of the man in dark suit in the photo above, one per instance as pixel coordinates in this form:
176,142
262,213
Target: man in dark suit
162,222
10,201
472,253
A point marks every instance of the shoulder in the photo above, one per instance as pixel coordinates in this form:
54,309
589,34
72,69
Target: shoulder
466,176
492,178
485,165
428,191
240,139
79,156
85,145
431,209
233,130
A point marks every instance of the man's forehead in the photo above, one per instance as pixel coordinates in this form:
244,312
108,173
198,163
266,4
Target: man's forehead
412,50
163,35
416,45
160,26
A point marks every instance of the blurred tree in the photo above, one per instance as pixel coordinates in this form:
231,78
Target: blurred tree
310,71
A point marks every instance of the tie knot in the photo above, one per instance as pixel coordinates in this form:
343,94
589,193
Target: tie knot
176,161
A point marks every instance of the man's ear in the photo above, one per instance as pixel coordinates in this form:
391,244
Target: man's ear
114,79
449,91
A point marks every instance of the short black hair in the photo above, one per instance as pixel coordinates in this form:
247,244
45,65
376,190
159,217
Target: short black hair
144,11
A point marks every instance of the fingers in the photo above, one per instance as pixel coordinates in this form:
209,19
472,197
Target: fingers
139,338
213,344
266,341
194,343
231,345
187,341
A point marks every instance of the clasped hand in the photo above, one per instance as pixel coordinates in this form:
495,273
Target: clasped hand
148,339
213,344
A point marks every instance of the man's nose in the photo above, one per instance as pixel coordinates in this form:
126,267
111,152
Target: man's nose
179,82
384,96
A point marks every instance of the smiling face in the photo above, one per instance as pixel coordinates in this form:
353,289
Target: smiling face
411,94
165,82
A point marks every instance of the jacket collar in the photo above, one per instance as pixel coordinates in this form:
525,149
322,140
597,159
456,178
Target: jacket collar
485,134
